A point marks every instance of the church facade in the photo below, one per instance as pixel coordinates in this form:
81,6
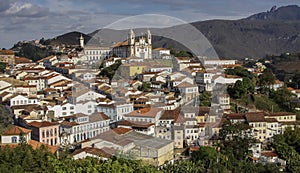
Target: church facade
135,46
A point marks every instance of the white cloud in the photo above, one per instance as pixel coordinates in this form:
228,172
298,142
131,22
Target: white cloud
21,9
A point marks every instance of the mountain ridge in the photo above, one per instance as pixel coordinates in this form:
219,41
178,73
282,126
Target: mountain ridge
268,33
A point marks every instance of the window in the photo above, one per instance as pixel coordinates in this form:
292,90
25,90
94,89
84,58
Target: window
72,107
64,108
14,139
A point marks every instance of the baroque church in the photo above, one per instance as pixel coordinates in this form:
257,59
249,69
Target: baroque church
135,46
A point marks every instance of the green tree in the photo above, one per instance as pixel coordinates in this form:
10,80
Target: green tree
238,90
111,70
287,147
236,140
239,71
266,78
2,67
283,98
184,166
146,86
205,99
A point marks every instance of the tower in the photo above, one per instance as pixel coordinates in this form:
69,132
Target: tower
81,41
149,39
131,42
131,37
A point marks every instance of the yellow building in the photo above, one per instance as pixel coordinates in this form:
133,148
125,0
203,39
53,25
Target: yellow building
257,121
132,69
7,56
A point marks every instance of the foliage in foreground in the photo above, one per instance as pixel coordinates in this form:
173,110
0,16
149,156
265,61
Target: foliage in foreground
24,159
287,146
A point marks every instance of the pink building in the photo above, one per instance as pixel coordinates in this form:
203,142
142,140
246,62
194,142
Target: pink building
45,132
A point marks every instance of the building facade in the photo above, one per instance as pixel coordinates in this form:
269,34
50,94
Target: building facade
139,47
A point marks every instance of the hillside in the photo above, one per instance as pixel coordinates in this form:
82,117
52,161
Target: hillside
71,38
269,33
285,66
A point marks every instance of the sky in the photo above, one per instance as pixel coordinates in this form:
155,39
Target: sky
35,19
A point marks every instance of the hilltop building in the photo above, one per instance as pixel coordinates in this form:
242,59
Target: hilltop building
135,46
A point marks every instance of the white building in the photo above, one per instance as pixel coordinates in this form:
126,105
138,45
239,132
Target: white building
218,62
86,107
79,127
83,94
226,79
65,109
141,47
150,115
188,91
22,100
115,111
13,134
161,53
96,53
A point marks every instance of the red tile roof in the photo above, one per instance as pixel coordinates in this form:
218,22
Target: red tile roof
145,112
42,124
269,154
35,145
6,52
16,130
121,130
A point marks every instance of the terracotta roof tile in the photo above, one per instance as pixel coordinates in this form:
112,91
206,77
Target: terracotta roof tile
121,130
16,130
42,124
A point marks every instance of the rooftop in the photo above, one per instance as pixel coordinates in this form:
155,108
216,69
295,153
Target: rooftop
42,124
145,112
16,130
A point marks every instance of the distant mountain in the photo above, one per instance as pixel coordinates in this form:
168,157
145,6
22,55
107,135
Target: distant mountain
269,33
291,12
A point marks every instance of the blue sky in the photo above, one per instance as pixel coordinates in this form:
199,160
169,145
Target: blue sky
34,19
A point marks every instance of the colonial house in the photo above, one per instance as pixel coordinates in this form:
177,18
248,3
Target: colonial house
139,126
15,135
83,94
19,99
79,127
115,111
187,91
96,53
218,62
7,56
151,115
86,107
161,53
226,79
45,132
40,82
62,110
